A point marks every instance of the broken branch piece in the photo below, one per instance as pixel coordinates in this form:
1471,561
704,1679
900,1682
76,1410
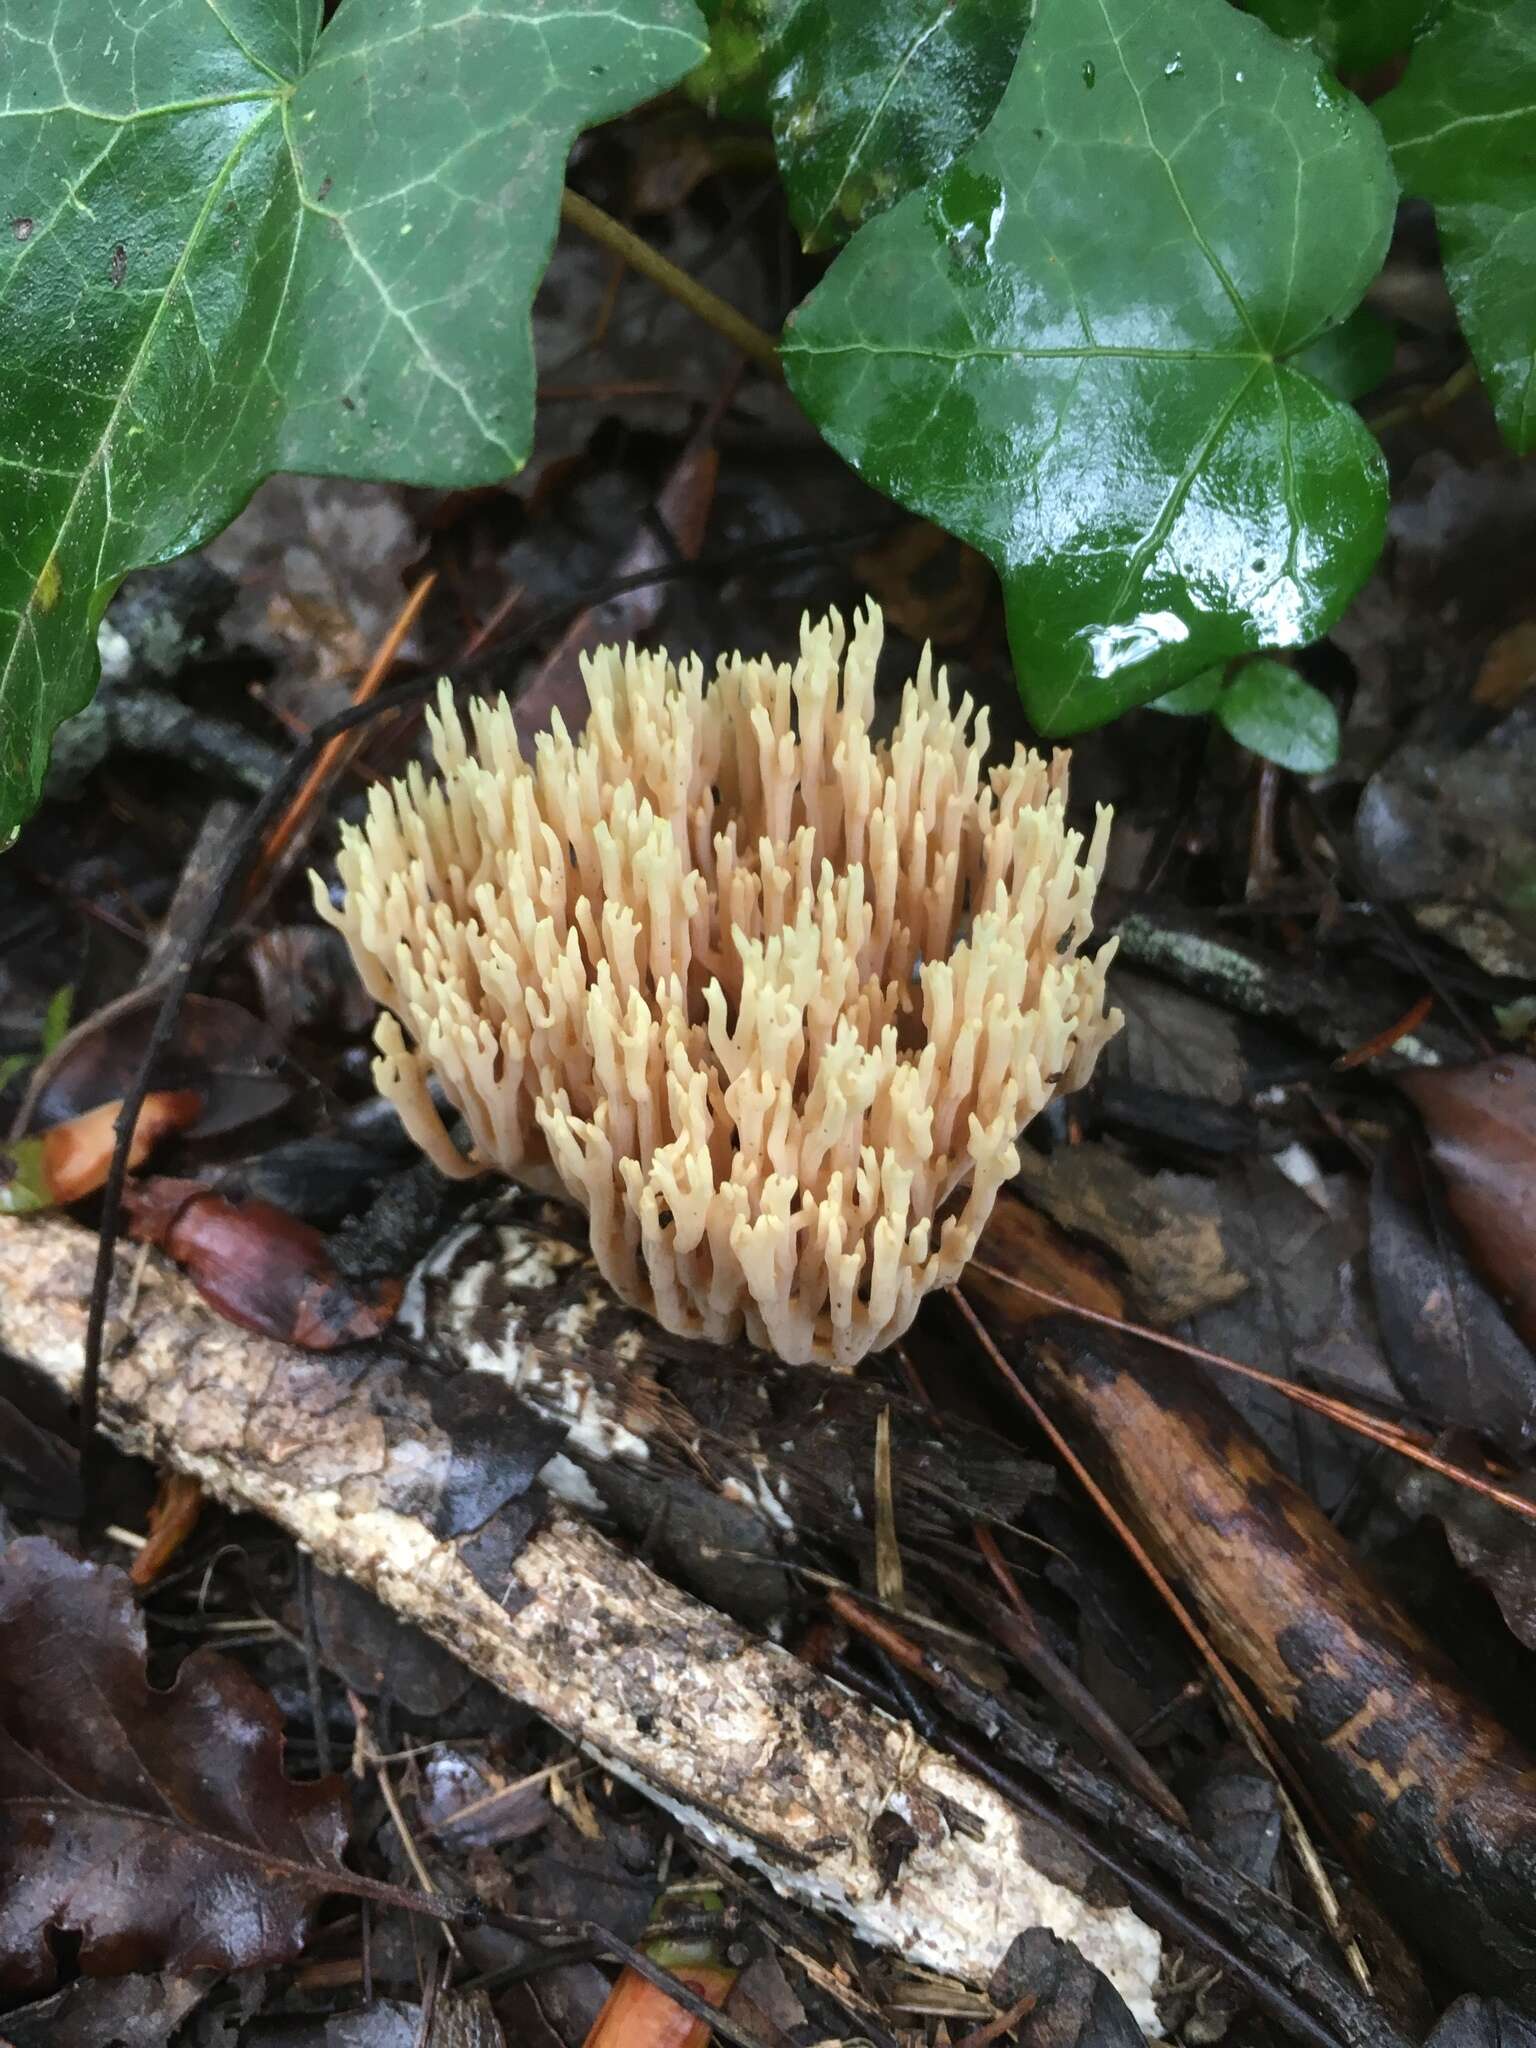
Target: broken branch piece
770,1000
749,1748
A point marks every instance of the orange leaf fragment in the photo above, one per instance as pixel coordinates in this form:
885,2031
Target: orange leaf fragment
77,1154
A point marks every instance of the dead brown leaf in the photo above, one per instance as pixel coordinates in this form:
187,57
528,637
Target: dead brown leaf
1482,1131
1453,1351
1509,668
77,1154
929,584
1165,1227
259,1266
157,1827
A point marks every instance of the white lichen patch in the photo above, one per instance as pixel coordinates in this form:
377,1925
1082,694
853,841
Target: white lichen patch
592,1407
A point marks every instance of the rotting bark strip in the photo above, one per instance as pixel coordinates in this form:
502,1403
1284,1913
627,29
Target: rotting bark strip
746,1746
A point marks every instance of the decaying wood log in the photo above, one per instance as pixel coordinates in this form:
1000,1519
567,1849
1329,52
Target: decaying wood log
352,1455
513,1297
778,1451
1434,1797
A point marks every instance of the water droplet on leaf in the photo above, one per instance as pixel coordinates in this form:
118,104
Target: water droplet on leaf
1089,74
1112,648
968,209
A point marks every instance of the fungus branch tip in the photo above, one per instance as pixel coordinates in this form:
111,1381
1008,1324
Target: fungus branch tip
769,999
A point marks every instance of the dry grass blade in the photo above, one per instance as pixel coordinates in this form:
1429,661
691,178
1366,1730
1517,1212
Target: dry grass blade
888,1575
1242,1705
1390,1435
337,751
1255,1733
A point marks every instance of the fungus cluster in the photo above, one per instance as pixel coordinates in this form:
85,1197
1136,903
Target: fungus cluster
769,998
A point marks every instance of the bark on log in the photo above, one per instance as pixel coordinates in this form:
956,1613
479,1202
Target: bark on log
1434,1797
513,1296
743,1744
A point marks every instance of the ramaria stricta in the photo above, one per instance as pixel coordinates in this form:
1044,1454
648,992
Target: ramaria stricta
770,999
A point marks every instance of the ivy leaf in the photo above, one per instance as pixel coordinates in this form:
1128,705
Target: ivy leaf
1460,128
1074,349
733,79
1194,698
1352,358
1268,709
869,101
1272,711
1353,35
234,244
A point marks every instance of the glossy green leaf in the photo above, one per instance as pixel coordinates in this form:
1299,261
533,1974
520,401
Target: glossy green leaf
734,78
1354,35
1074,349
1194,698
1269,709
1462,126
871,100
1352,358
232,244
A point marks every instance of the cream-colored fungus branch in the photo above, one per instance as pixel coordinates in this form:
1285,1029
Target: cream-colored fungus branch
770,999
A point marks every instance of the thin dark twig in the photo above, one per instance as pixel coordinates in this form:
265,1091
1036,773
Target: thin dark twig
1254,1918
1165,836
793,1930
588,1936
1017,1627
680,1993
909,1706
236,861
1184,1927
1396,927
322,1733
1178,1608
534,1964
1004,2023
1159,1906
429,2000
1389,1435
1254,1730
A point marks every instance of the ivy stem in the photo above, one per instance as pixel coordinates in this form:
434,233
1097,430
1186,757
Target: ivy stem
742,333
1426,405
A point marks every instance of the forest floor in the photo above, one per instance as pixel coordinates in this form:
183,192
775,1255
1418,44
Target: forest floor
1311,1152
